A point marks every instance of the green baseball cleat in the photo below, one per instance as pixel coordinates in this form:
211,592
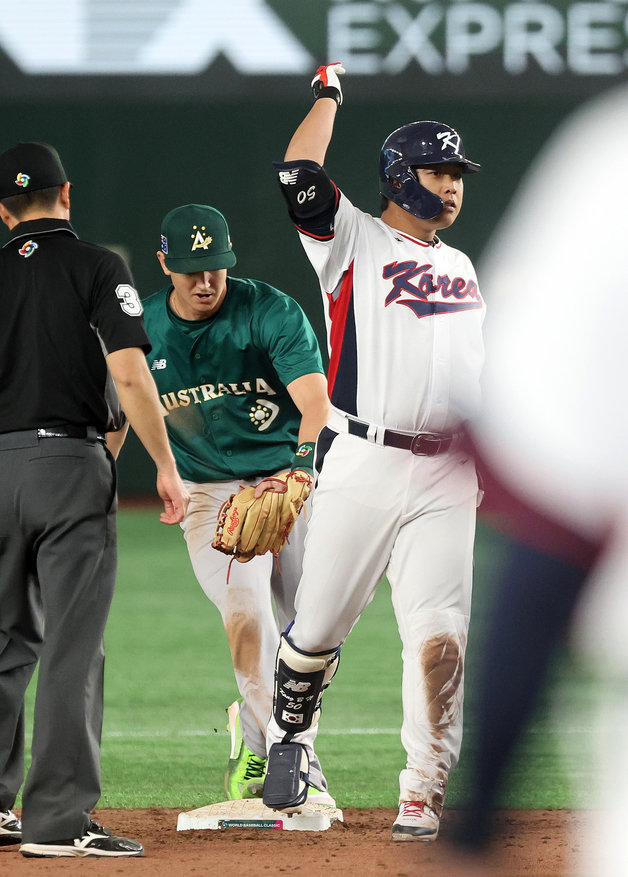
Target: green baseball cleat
244,777
320,796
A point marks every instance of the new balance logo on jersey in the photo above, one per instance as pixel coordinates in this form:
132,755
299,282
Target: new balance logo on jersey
289,178
426,295
158,364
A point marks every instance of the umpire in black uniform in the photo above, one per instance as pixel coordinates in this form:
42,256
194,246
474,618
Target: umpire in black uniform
71,321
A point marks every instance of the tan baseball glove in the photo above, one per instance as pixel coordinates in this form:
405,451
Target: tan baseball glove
260,518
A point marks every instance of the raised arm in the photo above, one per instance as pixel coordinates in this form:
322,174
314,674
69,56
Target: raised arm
313,136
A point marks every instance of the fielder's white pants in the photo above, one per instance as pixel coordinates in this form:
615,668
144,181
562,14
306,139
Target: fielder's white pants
246,603
380,510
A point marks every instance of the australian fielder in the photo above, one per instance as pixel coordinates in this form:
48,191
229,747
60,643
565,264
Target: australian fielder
241,382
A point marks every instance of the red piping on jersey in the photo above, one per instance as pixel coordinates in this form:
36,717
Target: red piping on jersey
415,241
317,237
338,309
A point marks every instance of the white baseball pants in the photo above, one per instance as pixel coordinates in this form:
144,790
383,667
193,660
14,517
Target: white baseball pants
383,511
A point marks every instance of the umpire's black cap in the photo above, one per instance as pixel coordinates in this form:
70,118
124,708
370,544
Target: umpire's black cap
28,167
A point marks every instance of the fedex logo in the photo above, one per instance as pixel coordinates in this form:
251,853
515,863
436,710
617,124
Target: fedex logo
414,286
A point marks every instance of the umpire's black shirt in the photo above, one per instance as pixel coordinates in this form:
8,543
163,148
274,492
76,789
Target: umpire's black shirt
64,305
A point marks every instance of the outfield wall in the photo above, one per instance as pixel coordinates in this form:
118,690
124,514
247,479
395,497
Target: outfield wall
149,112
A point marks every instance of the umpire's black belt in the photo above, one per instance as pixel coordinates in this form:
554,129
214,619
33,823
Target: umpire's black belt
71,431
30,438
423,444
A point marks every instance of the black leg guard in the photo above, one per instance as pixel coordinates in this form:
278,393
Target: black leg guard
300,680
287,781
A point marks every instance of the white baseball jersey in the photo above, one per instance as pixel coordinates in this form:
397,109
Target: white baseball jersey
404,324
400,313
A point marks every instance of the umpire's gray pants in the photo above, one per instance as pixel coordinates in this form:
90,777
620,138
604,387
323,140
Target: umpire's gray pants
57,571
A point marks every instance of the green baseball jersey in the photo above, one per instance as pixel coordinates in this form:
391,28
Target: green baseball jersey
222,381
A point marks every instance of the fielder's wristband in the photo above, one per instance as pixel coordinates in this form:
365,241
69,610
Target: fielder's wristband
328,91
304,457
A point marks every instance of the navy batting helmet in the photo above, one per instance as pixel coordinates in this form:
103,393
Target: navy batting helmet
419,144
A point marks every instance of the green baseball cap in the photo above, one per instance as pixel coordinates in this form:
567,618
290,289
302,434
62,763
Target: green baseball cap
195,237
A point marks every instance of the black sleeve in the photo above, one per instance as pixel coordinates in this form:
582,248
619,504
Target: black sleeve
116,308
311,196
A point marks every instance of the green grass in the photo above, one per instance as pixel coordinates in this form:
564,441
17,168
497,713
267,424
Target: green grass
169,680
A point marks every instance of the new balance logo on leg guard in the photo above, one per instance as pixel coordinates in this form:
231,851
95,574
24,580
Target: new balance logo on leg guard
299,687
292,703
300,680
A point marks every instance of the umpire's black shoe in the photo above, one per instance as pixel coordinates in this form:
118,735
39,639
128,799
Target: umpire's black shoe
287,779
10,828
97,841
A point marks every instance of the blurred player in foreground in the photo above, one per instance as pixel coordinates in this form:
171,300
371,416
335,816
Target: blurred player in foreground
241,380
553,437
396,496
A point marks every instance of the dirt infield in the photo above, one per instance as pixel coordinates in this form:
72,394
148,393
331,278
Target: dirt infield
529,843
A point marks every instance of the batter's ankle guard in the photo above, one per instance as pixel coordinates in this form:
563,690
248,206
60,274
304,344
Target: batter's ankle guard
300,679
287,779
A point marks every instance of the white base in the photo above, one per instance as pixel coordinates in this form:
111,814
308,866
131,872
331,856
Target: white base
251,813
